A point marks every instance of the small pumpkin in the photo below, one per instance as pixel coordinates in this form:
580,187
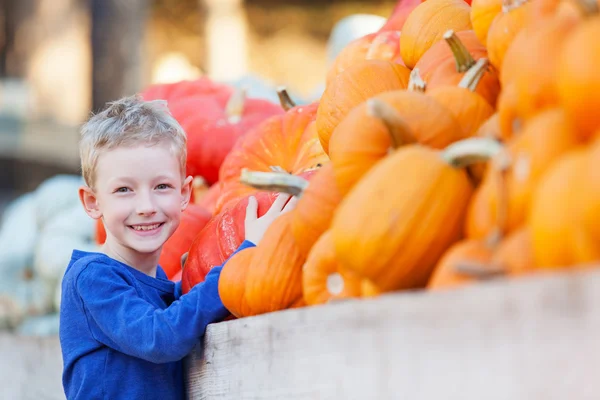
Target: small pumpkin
427,23
394,234
356,84
385,122
483,13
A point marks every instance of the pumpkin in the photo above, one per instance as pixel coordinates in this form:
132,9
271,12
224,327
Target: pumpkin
543,140
483,13
189,88
387,121
509,119
322,279
399,219
577,76
426,25
400,13
469,108
488,129
288,142
265,278
374,46
193,220
353,86
505,26
558,234
514,254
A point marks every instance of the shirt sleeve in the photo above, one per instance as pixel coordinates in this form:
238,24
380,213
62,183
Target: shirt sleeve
129,324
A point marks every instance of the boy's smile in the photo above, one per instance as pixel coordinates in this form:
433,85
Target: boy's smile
139,194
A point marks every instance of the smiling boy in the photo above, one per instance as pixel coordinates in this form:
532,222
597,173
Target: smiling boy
124,327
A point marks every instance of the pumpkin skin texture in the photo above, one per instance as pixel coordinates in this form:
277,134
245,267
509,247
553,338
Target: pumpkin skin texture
375,46
315,208
322,279
352,87
396,240
509,120
577,76
193,219
361,139
515,253
427,23
288,141
504,28
187,88
273,276
400,13
483,13
543,140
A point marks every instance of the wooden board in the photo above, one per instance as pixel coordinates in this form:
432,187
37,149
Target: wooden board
535,338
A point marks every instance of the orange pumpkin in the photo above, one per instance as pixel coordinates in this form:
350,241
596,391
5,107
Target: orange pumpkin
514,254
388,120
469,108
395,224
543,140
375,46
322,279
353,86
483,13
272,272
288,142
504,28
427,23
509,119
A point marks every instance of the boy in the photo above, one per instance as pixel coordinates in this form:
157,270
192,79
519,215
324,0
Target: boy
124,327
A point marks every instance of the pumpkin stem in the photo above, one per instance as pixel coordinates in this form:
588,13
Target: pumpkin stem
284,98
470,151
335,284
277,168
274,182
416,83
479,270
400,132
199,187
473,76
235,105
588,7
463,59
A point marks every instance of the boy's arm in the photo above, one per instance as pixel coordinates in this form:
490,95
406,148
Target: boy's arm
130,324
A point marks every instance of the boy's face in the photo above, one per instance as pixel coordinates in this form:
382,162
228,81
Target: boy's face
140,194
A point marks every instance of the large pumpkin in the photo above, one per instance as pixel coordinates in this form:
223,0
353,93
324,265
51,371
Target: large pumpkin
356,84
427,23
265,278
288,142
395,224
388,120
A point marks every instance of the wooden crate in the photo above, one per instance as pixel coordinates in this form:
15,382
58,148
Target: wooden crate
533,338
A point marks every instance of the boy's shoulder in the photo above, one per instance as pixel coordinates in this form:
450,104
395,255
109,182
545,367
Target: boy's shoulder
82,260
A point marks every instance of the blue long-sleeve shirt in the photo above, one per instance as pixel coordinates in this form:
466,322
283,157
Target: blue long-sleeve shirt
124,334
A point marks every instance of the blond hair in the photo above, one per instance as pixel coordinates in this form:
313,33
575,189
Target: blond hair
126,122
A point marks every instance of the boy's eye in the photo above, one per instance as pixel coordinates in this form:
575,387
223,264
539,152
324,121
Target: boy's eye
163,186
122,190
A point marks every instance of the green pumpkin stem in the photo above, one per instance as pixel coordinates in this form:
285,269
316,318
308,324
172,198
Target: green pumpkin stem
463,59
399,131
473,76
416,83
274,182
284,98
469,151
235,106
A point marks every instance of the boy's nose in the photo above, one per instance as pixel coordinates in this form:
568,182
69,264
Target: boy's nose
145,205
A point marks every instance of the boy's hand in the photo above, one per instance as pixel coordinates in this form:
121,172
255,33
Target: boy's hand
256,227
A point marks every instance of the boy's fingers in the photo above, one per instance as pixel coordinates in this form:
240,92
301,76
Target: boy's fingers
290,205
251,209
279,202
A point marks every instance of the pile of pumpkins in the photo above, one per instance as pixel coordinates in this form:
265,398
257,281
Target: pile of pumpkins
454,145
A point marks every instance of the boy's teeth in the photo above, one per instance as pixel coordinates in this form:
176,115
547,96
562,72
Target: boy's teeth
145,227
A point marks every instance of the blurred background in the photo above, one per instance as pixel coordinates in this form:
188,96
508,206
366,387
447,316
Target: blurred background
62,59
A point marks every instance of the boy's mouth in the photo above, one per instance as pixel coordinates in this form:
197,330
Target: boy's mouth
146,227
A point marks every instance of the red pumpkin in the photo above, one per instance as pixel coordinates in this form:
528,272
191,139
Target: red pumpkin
182,89
193,219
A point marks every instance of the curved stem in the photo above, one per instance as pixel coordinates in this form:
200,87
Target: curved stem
470,151
473,76
588,7
400,132
274,182
199,187
416,83
284,98
235,106
479,270
463,59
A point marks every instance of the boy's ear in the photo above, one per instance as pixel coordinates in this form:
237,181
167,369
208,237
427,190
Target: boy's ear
186,192
90,202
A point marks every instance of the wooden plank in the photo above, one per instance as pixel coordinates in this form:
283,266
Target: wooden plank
534,338
30,368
